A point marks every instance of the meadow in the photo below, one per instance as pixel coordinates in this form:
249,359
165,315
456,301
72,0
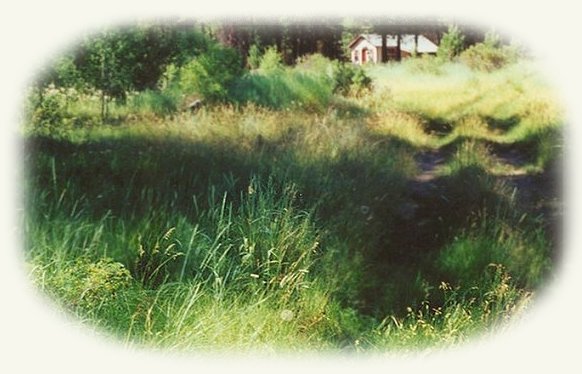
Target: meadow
416,213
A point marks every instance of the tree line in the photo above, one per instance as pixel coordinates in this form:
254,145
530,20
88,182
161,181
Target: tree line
117,61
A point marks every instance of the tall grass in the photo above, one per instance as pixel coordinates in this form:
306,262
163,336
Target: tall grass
285,88
293,219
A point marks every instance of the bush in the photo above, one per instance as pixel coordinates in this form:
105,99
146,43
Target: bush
489,55
425,64
47,110
89,285
349,79
315,63
452,44
271,61
212,74
66,73
361,83
254,57
342,78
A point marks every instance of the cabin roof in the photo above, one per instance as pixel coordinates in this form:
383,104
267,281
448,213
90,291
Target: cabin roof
425,45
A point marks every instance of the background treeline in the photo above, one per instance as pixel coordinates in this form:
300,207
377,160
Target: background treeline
117,61
162,67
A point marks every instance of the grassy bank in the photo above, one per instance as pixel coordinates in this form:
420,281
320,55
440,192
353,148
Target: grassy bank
303,227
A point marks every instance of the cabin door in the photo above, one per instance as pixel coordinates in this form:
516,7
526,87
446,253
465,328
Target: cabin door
364,56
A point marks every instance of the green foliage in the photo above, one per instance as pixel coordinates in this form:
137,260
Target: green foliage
103,65
343,78
47,111
88,285
160,102
271,61
67,73
495,240
316,64
492,40
212,74
279,87
254,57
452,44
306,86
489,55
115,62
350,80
361,83
425,64
119,61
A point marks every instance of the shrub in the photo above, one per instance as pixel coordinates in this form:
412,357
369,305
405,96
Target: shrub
66,73
48,111
170,79
271,61
86,284
342,77
265,90
212,74
452,44
361,83
349,79
315,63
425,64
254,57
489,55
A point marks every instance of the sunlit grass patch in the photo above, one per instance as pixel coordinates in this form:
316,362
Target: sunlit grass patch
404,127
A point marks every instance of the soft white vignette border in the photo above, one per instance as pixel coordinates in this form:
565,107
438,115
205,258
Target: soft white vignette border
34,336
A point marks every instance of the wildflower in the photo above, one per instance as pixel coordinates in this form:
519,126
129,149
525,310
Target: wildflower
364,209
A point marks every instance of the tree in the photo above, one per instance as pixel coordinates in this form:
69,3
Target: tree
117,61
101,65
452,44
212,74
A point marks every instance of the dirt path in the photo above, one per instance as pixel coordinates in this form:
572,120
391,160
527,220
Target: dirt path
537,194
428,164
